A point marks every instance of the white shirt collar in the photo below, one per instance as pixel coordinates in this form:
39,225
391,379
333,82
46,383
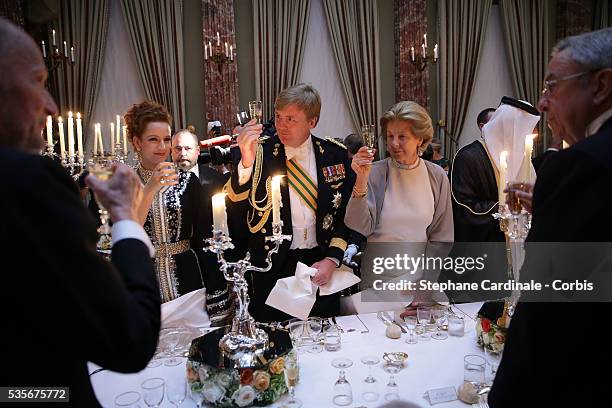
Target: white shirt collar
195,170
595,125
301,152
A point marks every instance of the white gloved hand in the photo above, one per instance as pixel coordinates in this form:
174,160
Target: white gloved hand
351,250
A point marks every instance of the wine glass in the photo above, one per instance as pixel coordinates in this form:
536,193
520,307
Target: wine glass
291,372
514,203
424,318
369,138
411,323
176,391
153,391
392,390
298,332
128,399
172,339
255,110
243,118
439,314
343,393
314,326
370,389
102,167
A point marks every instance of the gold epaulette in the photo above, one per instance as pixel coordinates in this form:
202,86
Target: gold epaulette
334,141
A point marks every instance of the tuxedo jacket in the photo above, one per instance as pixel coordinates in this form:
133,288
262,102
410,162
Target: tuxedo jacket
334,186
63,304
554,353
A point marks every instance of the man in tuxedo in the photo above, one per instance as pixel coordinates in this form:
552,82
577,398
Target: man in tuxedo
64,304
315,191
571,205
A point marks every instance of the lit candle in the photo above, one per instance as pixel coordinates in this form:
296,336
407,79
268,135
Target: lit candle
98,139
125,149
112,138
218,39
118,127
71,54
412,53
210,48
53,43
60,126
65,50
219,213
503,170
276,199
226,50
527,158
436,52
425,40
205,51
44,50
231,52
79,126
423,47
70,134
49,130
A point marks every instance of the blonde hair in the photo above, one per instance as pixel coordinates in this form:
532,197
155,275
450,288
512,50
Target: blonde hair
419,119
304,96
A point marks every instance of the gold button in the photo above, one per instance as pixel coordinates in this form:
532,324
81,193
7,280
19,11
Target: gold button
263,230
260,214
267,248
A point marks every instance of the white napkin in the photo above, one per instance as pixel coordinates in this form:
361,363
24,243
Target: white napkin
186,311
296,295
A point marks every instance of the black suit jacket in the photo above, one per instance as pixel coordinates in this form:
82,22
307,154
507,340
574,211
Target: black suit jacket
63,304
212,180
555,351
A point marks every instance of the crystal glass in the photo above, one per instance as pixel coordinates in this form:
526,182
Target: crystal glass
474,369
291,372
172,340
493,359
424,319
439,314
514,203
456,325
176,390
315,325
130,399
153,391
332,338
255,110
102,168
369,137
343,393
243,118
299,333
392,389
370,384
411,323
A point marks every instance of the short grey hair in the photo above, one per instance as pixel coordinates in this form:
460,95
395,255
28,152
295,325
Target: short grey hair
592,51
416,115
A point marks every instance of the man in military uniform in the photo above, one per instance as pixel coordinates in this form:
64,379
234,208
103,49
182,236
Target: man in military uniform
315,191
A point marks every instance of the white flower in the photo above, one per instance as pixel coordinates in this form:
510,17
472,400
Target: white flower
203,373
478,328
223,379
485,338
244,396
212,392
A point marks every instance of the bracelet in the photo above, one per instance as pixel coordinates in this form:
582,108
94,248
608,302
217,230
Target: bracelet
358,193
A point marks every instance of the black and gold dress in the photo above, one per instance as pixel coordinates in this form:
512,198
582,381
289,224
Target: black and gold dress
179,220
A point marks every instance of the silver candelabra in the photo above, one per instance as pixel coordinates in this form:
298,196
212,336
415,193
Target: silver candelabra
245,342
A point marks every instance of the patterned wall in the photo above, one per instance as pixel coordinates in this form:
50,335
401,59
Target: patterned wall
220,79
410,25
573,17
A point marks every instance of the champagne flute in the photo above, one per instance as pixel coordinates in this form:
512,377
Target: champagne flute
291,372
102,167
369,137
255,110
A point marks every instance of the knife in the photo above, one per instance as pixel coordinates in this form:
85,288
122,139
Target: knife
388,316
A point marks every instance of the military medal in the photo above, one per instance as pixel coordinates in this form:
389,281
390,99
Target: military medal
337,199
275,152
327,221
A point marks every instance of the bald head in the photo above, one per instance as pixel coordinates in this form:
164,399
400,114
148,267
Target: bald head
23,84
185,149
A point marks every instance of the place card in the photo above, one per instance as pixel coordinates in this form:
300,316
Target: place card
440,395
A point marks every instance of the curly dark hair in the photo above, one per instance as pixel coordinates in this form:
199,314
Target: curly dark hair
141,114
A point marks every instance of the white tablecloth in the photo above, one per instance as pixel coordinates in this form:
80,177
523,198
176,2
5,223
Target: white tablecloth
432,364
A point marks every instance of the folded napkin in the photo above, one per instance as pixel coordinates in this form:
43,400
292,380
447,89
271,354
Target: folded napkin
186,311
297,294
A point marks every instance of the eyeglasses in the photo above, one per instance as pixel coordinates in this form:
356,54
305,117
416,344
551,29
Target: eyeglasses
550,84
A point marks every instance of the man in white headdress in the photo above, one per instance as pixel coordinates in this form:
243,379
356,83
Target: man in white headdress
475,172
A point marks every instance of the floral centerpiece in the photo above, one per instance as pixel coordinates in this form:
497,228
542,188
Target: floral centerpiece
490,335
237,388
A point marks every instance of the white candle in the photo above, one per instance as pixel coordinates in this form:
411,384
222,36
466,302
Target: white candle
65,50
205,51
60,126
231,52
425,40
98,139
118,127
423,47
503,170
125,149
49,130
210,48
112,138
218,39
276,199
44,50
436,51
219,213
70,134
527,158
79,126
226,50
412,53
71,54
54,43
